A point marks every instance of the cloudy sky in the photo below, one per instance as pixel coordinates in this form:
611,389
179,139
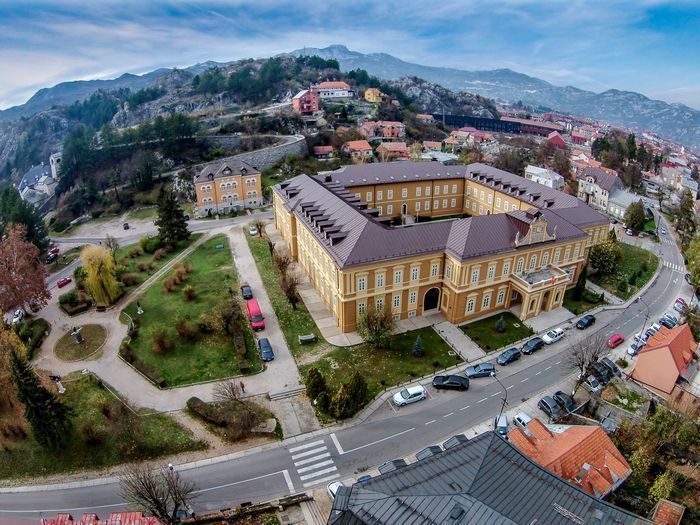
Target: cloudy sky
649,46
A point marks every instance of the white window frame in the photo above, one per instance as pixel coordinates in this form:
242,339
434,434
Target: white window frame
380,195
454,188
412,297
389,194
434,269
389,209
362,284
379,280
415,273
398,276
506,267
453,203
404,193
471,305
369,196
520,266
486,301
361,307
475,275
491,273
533,262
501,297
379,304
419,191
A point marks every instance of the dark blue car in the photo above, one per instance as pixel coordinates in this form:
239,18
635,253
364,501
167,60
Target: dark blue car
510,355
266,353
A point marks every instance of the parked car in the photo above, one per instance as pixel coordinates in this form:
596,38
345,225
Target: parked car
186,217
600,372
54,250
688,279
553,336
125,225
608,363
629,231
18,317
550,407
532,345
266,353
521,419
566,402
500,424
409,395
665,321
592,384
635,348
480,370
246,292
650,332
585,322
508,356
641,337
671,316
65,281
255,316
663,231
366,477
681,300
615,340
51,258
679,307
333,487
253,230
451,382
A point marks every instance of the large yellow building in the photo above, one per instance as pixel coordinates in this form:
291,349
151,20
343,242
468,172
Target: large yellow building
227,185
520,247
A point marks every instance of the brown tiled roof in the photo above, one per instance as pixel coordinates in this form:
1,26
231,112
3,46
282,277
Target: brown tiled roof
668,513
583,455
393,147
323,149
216,170
605,180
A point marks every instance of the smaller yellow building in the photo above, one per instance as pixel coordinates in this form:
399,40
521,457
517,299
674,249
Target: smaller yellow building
373,95
224,186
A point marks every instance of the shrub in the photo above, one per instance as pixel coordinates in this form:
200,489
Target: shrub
188,267
632,279
70,298
206,323
161,342
136,252
168,284
142,266
93,436
79,273
125,352
622,362
159,254
622,286
185,329
150,244
130,279
315,383
189,292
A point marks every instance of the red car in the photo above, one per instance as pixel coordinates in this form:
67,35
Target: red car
64,282
682,301
54,250
615,340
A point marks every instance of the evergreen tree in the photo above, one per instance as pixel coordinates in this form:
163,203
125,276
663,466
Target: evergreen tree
580,284
418,347
49,417
685,220
13,210
171,223
315,383
357,391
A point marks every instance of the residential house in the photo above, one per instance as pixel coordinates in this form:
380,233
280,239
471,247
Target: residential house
440,156
115,518
55,163
333,90
672,174
668,361
225,186
392,151
595,185
691,185
578,138
382,130
373,95
432,145
545,176
582,455
323,152
425,118
37,185
520,247
359,150
618,202
483,480
306,102
556,139
667,513
451,144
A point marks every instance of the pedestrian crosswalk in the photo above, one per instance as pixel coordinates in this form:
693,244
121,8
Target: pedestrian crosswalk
675,267
668,240
313,463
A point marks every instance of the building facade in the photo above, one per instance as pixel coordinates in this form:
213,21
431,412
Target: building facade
221,187
333,90
518,248
305,102
545,177
595,186
373,95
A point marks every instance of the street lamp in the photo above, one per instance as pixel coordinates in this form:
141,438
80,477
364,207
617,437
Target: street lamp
505,395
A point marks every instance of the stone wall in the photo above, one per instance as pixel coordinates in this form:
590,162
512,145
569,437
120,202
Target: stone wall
229,142
267,157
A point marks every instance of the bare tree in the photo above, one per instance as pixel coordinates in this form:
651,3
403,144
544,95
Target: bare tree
260,225
289,282
162,493
271,246
227,391
112,244
282,259
584,353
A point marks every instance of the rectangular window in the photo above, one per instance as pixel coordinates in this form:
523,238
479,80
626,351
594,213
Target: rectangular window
415,273
498,202
445,189
434,269
486,301
417,206
427,205
418,191
398,276
533,262
557,252
505,205
436,204
501,297
397,301
437,190
490,199
412,298
389,194
506,268
481,195
358,196
379,303
427,191
470,305
448,271
453,203
577,251
361,284
444,203
475,275
481,209
380,210
492,271
454,188
404,192
361,307
389,209
469,191
369,196
380,195
567,253
380,280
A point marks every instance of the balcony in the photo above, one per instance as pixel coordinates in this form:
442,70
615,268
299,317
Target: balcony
545,277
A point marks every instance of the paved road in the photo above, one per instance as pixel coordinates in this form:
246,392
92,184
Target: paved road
347,451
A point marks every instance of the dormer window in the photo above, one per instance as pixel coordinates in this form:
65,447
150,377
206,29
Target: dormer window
244,170
210,176
227,171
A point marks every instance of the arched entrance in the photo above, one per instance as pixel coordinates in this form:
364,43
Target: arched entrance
404,209
545,300
431,299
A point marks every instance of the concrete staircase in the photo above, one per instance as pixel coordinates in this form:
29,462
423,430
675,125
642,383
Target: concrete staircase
312,513
283,394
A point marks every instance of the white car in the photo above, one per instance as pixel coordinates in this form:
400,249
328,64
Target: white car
553,336
253,230
521,419
409,395
333,487
641,337
18,317
635,348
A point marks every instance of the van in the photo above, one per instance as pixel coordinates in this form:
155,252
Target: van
257,321
500,425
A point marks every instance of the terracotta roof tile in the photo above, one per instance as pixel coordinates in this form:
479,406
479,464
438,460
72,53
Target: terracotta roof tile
668,513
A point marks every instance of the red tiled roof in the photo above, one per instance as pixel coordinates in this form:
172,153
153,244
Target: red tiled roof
358,145
432,144
667,513
323,149
395,147
583,455
333,85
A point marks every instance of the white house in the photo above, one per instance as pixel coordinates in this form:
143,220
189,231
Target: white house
595,186
545,176
333,90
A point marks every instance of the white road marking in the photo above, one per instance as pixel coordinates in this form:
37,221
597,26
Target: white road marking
450,414
309,453
285,473
380,440
430,422
315,466
548,367
509,387
319,473
558,362
494,395
481,400
538,373
335,441
288,479
322,480
307,445
524,379
311,460
466,407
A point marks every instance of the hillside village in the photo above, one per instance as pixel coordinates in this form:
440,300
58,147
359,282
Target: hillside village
230,262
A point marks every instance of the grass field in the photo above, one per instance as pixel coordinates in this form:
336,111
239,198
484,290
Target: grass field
105,433
142,213
293,322
588,301
208,355
635,269
68,349
483,332
386,368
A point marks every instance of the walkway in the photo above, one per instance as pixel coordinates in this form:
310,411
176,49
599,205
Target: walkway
610,298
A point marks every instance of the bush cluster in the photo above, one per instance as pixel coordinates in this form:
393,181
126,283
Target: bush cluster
236,417
345,402
129,279
150,244
185,329
161,341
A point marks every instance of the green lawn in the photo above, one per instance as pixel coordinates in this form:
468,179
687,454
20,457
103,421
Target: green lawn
68,349
484,332
650,226
588,301
130,265
105,433
386,368
208,355
636,267
142,213
293,322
